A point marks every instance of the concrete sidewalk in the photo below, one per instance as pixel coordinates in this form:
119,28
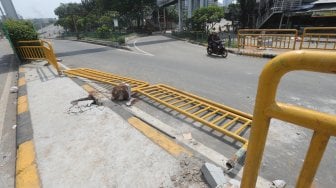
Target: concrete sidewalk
92,146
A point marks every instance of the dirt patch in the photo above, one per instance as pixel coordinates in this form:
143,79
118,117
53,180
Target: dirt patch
190,174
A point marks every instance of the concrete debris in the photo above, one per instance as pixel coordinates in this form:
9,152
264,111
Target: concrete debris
121,92
89,97
84,104
278,184
131,101
187,136
77,109
190,174
14,127
214,175
14,89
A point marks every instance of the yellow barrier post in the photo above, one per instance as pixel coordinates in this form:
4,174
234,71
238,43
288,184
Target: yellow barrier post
324,125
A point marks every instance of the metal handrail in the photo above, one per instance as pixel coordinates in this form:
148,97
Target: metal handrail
266,108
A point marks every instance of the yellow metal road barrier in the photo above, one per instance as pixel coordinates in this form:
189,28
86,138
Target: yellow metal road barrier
323,124
106,77
37,49
267,38
323,38
226,120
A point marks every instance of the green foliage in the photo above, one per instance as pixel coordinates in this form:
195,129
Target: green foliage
171,13
232,13
20,30
207,15
120,39
247,13
104,31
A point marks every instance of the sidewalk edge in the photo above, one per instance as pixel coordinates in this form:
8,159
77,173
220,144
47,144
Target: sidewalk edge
27,174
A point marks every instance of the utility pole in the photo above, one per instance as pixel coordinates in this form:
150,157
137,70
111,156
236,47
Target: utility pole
9,9
180,14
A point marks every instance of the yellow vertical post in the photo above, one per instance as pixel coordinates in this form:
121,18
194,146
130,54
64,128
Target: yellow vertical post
266,108
315,152
303,37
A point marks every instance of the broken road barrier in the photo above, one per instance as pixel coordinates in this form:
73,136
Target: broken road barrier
266,108
106,77
228,121
38,50
223,119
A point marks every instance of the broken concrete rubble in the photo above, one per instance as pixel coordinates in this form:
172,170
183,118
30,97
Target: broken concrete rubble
214,175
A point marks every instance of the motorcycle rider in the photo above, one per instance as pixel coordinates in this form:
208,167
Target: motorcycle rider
213,40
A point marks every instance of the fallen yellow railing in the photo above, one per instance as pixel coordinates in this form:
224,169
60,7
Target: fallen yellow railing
37,49
323,125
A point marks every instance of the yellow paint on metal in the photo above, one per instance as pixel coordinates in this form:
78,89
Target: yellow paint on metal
88,88
21,70
267,38
38,49
323,124
319,38
22,104
26,168
22,81
105,77
160,139
216,116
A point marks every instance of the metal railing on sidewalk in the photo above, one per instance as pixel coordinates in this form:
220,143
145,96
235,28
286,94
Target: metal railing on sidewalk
36,50
321,38
267,38
266,108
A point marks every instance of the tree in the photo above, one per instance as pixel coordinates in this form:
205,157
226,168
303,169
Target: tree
247,8
207,15
233,13
69,15
20,30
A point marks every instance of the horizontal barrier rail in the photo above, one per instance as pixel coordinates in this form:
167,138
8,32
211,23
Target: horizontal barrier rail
322,38
267,38
228,121
105,77
266,108
37,49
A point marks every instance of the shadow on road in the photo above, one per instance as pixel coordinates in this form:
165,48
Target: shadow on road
86,51
154,42
5,61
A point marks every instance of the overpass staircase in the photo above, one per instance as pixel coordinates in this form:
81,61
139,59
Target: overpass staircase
273,7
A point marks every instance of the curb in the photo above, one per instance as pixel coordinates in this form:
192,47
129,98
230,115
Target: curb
261,55
103,44
27,174
156,135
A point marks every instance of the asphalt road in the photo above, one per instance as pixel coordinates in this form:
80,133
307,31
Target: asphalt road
8,78
231,81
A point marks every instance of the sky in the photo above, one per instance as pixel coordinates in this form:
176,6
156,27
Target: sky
38,8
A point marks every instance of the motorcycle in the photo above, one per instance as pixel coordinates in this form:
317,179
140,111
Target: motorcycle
218,49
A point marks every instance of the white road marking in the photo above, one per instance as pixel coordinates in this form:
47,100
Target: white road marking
127,51
140,49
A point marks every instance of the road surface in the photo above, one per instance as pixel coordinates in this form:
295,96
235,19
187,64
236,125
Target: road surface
231,81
